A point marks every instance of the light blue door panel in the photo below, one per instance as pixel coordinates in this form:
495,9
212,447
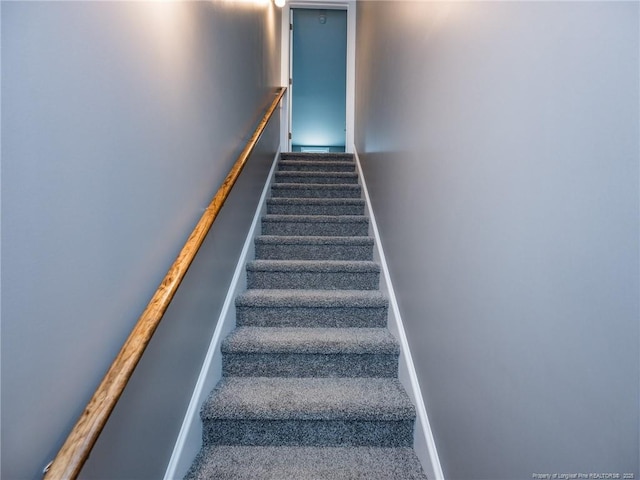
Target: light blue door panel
319,78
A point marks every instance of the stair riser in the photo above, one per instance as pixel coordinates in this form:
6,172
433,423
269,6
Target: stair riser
309,177
314,252
223,462
302,166
341,280
316,157
311,317
324,229
312,209
309,365
309,433
284,191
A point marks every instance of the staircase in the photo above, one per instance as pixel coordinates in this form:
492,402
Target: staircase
309,387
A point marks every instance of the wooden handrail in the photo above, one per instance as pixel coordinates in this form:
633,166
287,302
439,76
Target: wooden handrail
75,450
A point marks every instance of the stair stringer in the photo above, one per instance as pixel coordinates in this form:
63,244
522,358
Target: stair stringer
189,440
424,442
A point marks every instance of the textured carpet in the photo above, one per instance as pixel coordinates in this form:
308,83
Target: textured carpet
310,388
307,463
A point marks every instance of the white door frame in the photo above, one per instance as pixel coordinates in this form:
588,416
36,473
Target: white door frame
350,7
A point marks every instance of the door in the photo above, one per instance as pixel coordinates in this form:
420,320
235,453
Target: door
319,79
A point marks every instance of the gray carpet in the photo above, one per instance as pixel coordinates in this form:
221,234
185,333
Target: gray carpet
316,225
308,463
315,206
284,247
310,388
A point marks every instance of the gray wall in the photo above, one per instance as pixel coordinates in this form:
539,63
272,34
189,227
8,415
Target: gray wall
119,122
500,145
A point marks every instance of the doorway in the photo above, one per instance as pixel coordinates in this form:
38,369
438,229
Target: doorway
319,79
318,63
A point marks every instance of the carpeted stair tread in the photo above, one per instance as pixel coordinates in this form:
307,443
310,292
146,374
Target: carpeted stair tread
325,266
317,218
312,298
315,206
306,463
306,365
315,225
310,156
312,240
312,433
312,308
315,201
311,340
317,177
315,166
316,190
281,247
310,352
261,398
313,274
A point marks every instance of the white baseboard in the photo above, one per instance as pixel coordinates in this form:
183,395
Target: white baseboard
424,443
189,439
